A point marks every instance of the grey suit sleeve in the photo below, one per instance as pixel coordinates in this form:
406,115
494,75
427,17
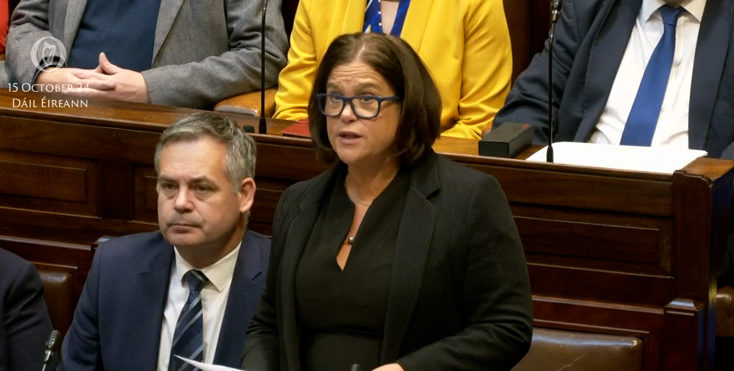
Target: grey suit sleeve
5,77
32,20
527,101
202,84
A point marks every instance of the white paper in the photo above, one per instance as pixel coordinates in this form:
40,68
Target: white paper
649,159
207,367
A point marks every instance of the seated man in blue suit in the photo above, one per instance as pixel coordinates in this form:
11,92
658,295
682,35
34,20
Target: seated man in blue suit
190,288
600,56
600,62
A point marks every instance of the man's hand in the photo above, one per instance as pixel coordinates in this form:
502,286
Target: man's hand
65,79
128,85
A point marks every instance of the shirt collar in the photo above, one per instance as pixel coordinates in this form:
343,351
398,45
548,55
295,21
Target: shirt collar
218,273
693,7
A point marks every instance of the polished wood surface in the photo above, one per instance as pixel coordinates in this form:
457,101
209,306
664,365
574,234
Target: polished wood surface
609,251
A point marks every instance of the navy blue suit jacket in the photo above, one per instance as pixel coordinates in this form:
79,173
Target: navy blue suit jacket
117,323
24,320
591,38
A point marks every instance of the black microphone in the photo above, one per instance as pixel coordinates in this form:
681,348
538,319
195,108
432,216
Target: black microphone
263,129
51,342
355,367
555,9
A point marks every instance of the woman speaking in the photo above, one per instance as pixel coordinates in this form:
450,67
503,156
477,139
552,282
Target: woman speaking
395,258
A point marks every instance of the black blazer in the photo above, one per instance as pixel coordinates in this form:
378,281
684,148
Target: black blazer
24,320
590,41
459,294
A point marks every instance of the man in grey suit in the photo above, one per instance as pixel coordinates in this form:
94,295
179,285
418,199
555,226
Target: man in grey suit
190,53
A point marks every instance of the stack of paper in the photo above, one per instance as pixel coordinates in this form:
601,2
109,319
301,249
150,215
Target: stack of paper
649,159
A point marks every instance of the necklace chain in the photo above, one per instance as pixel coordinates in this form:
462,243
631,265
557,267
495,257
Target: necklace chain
352,197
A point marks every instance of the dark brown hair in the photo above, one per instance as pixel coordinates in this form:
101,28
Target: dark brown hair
396,62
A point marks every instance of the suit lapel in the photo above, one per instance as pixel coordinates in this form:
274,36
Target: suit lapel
166,15
605,55
416,22
411,253
74,14
146,318
244,294
711,50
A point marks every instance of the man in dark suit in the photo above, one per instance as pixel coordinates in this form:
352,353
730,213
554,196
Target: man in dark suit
601,50
600,57
24,320
190,288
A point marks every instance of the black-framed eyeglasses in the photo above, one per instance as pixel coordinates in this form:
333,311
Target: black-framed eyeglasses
364,106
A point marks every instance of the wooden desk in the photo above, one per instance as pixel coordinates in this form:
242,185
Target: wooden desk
608,251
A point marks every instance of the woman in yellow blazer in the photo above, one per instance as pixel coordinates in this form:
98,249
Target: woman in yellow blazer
464,43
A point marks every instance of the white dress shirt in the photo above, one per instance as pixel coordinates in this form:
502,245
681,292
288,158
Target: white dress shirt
672,126
214,297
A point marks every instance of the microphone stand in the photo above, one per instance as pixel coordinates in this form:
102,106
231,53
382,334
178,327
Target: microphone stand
51,341
263,128
555,9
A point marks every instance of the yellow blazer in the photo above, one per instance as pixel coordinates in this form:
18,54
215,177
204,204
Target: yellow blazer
464,43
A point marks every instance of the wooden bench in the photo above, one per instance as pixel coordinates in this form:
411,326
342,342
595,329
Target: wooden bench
609,252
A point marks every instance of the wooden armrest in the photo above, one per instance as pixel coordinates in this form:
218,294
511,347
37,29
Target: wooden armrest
248,103
725,311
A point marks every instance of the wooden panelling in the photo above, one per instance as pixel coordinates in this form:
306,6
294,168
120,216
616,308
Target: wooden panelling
43,178
567,186
46,182
528,22
617,243
145,196
267,196
608,251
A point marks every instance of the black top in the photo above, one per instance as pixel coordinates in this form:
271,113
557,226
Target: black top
343,312
459,292
124,30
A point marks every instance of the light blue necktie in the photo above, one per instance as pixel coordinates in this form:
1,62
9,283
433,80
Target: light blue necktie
643,117
188,341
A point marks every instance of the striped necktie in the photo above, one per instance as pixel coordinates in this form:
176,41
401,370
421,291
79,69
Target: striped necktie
645,111
187,338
